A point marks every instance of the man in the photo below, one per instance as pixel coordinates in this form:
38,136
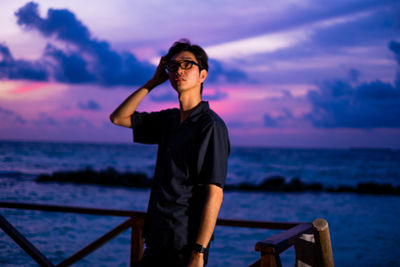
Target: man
193,148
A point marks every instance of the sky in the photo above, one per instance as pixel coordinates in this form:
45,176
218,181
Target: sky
291,73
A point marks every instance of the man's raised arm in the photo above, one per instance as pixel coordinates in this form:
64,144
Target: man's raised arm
122,115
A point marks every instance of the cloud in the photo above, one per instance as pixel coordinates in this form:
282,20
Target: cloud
239,124
346,103
9,115
163,94
166,94
45,120
256,45
89,105
219,73
337,34
286,119
354,75
78,122
215,95
20,69
284,111
270,122
68,67
62,23
369,28
337,23
85,60
265,24
368,105
395,47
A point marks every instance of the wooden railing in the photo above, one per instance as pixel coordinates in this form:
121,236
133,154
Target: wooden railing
269,248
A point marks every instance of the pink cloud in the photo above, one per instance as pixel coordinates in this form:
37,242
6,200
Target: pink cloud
29,87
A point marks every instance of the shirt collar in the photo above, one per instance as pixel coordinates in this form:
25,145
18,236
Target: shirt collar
198,110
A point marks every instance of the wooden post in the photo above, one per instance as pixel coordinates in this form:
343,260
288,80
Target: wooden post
270,260
323,247
136,242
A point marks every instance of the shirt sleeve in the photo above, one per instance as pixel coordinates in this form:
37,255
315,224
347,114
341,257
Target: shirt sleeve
147,127
213,155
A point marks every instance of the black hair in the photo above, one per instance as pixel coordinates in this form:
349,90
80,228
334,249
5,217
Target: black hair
198,52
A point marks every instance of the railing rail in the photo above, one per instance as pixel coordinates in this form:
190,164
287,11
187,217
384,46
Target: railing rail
72,209
135,222
269,248
98,243
24,243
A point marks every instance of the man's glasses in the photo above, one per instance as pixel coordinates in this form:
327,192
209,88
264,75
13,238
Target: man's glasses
184,64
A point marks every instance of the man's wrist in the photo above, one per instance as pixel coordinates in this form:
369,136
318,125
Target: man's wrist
197,256
150,85
198,248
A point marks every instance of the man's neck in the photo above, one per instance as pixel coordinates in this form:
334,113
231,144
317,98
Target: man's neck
187,102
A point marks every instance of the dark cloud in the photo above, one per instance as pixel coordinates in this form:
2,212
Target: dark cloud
369,29
286,93
216,95
279,121
87,60
10,115
270,122
68,68
347,103
395,47
295,14
47,125
89,105
163,94
20,69
59,22
354,75
346,41
45,120
368,105
219,73
240,124
78,122
166,94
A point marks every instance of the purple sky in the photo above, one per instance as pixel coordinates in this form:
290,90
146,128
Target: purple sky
296,73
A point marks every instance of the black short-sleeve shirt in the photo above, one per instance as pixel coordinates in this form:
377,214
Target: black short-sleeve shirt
190,155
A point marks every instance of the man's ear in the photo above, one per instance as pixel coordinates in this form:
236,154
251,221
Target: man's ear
203,75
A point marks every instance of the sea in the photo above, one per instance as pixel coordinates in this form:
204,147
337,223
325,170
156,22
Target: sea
364,228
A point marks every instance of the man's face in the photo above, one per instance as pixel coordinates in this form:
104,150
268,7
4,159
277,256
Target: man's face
182,79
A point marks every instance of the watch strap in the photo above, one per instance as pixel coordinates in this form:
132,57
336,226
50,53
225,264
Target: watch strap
198,248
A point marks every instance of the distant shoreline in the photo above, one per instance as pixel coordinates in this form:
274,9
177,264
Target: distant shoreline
110,177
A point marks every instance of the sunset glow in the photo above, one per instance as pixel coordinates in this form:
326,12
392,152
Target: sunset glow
291,74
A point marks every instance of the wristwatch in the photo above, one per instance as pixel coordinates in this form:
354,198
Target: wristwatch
198,248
